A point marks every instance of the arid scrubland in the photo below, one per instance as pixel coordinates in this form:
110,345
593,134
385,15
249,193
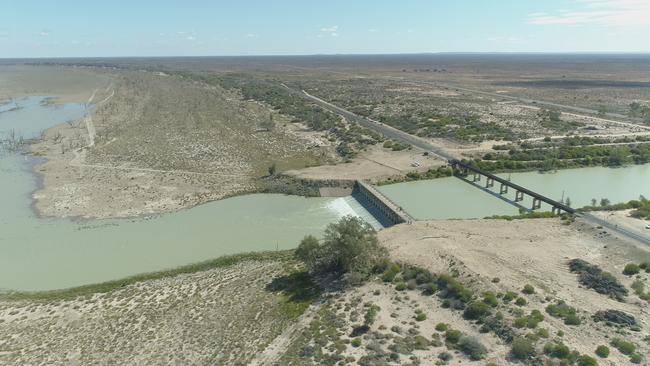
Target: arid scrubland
161,143
224,315
507,282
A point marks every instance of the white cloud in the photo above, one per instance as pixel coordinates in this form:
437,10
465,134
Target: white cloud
332,31
44,33
190,38
252,35
615,13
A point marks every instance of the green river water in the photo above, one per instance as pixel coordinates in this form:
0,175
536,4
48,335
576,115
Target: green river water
43,254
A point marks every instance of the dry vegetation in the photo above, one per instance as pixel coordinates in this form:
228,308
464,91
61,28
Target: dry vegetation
518,291
164,143
217,316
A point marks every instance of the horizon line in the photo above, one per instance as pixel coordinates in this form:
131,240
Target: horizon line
345,54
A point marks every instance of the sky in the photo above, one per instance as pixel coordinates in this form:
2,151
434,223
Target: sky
71,28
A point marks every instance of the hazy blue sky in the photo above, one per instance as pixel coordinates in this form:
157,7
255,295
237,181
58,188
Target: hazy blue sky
30,28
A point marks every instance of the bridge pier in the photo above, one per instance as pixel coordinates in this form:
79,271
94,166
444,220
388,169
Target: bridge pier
520,192
556,210
489,182
519,196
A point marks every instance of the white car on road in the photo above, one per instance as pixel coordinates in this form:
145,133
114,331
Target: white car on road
647,226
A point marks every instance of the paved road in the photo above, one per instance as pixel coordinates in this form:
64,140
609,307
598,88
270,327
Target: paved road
383,129
616,228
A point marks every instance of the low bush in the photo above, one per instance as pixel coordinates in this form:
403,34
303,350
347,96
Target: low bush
602,351
585,360
490,299
521,301
631,269
557,350
509,296
390,273
529,321
356,342
636,358
522,349
441,327
401,286
472,347
421,317
565,312
476,310
528,289
625,347
453,336
453,290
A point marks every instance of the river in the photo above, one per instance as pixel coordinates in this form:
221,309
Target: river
44,254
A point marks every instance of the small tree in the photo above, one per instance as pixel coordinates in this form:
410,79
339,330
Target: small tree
349,245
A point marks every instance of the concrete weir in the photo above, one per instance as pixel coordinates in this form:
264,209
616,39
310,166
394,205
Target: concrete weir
380,206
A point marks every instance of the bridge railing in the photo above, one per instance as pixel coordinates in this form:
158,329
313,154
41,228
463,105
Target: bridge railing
457,163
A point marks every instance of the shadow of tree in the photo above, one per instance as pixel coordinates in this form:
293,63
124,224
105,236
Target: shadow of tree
297,287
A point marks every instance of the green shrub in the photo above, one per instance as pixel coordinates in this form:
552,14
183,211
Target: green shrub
528,289
356,342
602,351
509,296
625,347
472,347
445,356
586,360
421,317
522,348
476,310
557,350
452,289
521,301
565,312
453,336
441,327
490,299
401,286
631,269
391,272
636,358
529,321
429,289
371,314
